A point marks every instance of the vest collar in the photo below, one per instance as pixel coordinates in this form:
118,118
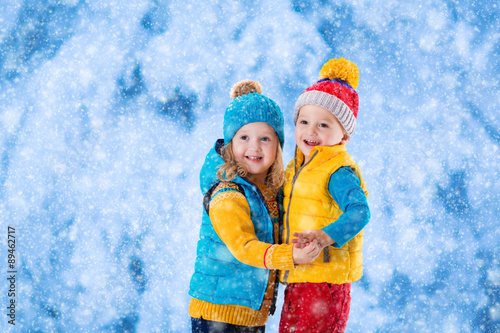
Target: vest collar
318,154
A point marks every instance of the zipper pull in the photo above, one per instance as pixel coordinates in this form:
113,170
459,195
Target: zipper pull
326,255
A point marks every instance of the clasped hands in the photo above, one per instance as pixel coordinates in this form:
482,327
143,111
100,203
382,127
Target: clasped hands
308,245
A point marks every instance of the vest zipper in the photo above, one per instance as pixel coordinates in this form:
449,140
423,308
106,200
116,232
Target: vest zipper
290,201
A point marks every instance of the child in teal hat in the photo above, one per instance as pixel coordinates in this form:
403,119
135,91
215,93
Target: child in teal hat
235,280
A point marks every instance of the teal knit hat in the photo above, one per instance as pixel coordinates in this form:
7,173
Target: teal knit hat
250,106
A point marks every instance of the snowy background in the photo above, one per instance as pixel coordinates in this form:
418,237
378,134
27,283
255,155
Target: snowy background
107,109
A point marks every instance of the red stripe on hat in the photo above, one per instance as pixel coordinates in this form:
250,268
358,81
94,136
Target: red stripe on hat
347,95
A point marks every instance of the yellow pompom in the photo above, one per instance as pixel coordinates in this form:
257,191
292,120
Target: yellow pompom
341,69
245,87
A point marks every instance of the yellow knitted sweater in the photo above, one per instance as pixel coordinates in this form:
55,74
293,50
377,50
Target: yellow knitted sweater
230,216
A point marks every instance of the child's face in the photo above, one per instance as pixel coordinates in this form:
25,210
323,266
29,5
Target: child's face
254,145
317,126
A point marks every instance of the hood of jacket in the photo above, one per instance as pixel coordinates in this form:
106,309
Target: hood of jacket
208,173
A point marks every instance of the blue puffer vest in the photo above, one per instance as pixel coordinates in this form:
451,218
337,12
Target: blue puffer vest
219,278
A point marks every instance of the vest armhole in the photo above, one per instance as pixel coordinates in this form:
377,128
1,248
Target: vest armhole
215,190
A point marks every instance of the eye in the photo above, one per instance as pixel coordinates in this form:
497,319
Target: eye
323,125
244,137
303,122
265,139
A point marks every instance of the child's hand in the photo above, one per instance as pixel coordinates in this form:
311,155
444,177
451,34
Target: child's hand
307,253
305,237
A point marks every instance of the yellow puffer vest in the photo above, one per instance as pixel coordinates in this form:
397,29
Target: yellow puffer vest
309,205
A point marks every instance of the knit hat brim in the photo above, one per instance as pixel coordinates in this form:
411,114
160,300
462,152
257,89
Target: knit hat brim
330,102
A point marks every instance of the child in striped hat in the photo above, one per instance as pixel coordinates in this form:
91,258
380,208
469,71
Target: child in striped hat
325,199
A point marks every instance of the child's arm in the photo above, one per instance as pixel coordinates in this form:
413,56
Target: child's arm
230,216
344,186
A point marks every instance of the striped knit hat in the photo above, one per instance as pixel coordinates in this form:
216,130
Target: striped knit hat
335,92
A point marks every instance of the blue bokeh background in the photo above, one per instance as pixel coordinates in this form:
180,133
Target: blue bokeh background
107,109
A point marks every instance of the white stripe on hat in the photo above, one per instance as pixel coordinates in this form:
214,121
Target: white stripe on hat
330,102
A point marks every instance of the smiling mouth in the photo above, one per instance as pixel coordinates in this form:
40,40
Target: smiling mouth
253,158
311,143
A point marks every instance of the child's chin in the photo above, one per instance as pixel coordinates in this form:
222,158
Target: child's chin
305,151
